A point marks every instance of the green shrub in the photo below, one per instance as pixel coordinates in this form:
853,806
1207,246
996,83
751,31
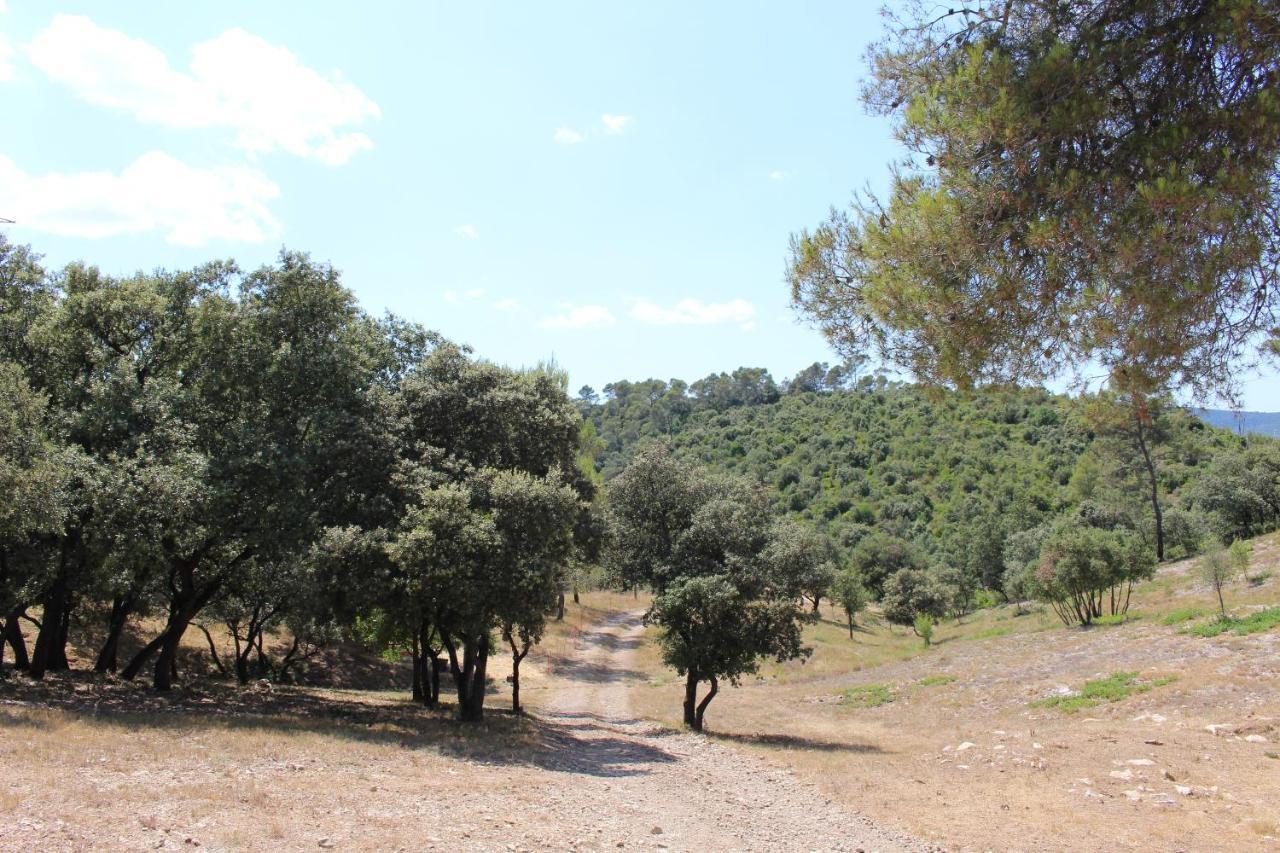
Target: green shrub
1262,620
923,626
937,680
1113,688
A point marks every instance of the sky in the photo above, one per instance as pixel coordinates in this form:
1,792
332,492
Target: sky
609,185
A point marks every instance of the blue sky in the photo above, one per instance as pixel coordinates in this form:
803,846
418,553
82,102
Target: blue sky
610,184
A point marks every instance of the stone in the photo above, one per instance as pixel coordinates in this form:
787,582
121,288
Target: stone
328,843
1125,775
657,830
1255,739
966,745
1184,790
1141,762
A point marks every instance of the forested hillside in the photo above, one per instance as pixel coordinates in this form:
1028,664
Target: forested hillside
952,476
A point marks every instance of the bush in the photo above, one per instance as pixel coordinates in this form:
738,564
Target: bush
910,593
923,626
1085,572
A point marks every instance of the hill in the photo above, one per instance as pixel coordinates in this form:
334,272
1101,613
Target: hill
1258,423
953,474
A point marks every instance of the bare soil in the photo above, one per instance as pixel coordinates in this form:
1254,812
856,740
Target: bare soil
964,753
106,765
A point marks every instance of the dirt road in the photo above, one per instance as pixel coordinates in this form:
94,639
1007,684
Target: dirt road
680,790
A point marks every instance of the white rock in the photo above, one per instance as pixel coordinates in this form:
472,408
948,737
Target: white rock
1184,790
1255,738
966,745
1126,775
1037,746
1141,762
1133,795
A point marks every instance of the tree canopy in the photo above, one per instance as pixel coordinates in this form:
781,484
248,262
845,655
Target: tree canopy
1086,183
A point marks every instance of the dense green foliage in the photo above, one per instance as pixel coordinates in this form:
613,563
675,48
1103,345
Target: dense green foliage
1088,182
728,576
898,476
252,449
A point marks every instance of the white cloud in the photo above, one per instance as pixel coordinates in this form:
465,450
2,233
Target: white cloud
6,57
236,80
156,192
692,312
4,7
614,124
475,293
778,175
509,304
568,136
468,231
451,296
580,317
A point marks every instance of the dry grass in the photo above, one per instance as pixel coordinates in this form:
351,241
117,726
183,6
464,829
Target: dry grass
1030,771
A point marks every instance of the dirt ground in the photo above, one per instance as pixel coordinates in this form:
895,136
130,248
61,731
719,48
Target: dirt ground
111,766
961,754
875,743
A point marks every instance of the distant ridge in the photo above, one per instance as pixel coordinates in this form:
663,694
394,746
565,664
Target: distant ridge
1261,423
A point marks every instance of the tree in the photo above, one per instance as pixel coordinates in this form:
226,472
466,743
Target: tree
1219,569
1241,488
34,475
879,556
1128,428
1067,198
1085,570
850,594
490,499
805,556
911,593
726,594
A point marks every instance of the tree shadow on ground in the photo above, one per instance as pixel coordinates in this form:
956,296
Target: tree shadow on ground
579,744
797,742
592,673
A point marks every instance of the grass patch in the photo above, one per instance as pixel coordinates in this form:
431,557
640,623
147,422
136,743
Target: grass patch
1258,579
994,631
937,680
1262,620
1182,614
1113,688
1116,619
1275,755
867,696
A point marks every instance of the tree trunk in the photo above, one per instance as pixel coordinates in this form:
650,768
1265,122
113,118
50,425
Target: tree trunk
167,662
108,655
428,672
476,657
575,595
51,650
850,626
1154,484
691,701
213,650
518,652
416,688
817,599
706,700
560,607
437,664
458,672
13,636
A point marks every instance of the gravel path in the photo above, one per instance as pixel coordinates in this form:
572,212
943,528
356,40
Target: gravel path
684,791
